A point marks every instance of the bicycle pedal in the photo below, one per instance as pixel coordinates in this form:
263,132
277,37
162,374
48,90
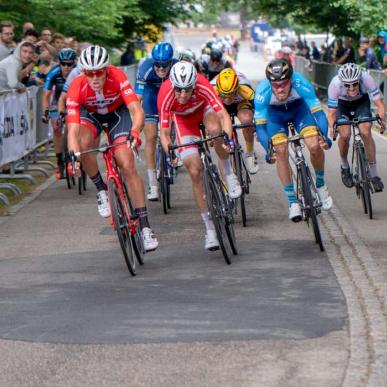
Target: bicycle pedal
215,248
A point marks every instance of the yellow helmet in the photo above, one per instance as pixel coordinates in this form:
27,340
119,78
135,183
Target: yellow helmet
227,82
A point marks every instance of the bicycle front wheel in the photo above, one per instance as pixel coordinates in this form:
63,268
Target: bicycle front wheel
121,225
238,166
365,185
163,183
310,209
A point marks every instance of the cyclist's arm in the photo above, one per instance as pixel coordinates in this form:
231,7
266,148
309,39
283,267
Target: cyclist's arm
225,122
62,102
73,136
46,99
165,138
331,118
380,108
137,114
261,103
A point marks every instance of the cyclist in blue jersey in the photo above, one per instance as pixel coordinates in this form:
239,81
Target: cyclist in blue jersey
150,75
286,96
55,80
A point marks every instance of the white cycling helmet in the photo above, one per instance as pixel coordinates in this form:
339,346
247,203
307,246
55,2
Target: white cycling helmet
94,58
183,74
349,73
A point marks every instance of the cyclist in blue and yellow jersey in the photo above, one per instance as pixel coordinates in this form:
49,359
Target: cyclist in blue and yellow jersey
237,95
150,75
286,96
53,85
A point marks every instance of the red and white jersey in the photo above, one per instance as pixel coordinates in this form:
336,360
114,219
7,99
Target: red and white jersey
116,92
202,95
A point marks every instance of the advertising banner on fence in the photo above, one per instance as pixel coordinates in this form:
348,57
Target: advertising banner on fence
17,126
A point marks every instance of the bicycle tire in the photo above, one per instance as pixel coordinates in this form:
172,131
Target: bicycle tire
137,242
239,173
365,186
213,209
82,182
163,183
69,180
309,204
121,225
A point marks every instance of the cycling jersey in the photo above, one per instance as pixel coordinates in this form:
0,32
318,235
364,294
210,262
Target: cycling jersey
148,84
208,70
116,92
73,74
301,107
337,90
55,78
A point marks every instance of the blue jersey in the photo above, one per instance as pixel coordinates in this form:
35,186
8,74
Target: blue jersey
301,92
55,78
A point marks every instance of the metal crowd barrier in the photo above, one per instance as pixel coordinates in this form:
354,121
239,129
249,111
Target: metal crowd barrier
24,139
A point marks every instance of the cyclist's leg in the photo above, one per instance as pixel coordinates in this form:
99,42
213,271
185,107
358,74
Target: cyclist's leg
58,142
149,104
213,127
343,114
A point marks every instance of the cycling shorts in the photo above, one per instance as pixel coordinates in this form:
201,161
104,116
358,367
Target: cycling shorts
361,108
296,112
149,103
234,108
119,122
187,129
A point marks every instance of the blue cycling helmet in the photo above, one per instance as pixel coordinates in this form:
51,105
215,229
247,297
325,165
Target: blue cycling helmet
162,52
66,55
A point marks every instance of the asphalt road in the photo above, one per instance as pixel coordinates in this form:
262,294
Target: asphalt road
283,314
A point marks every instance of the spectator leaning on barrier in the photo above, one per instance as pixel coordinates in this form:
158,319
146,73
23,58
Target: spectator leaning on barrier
315,52
381,48
10,67
347,54
367,57
7,43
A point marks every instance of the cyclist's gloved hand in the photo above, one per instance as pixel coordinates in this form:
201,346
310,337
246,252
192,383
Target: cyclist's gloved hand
135,139
74,167
45,117
231,145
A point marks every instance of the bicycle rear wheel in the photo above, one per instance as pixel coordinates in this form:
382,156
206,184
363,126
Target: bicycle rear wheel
310,209
213,205
164,183
82,182
121,225
365,185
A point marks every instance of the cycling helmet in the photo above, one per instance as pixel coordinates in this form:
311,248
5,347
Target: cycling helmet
227,81
94,58
187,55
216,55
183,74
162,52
279,69
349,73
66,55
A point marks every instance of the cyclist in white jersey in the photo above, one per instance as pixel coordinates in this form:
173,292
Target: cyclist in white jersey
350,92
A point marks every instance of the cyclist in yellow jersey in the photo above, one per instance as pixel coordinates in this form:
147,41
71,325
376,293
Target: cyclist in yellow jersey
237,96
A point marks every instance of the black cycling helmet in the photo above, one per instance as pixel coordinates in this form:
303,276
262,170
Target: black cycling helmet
216,55
279,69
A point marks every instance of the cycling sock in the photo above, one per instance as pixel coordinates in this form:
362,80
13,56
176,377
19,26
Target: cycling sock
344,163
373,168
320,181
226,166
142,214
152,177
290,194
59,159
207,221
98,181
249,147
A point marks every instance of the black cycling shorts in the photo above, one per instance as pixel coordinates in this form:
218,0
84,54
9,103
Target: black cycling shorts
234,108
119,122
360,108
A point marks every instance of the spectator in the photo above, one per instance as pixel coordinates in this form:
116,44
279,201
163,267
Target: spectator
348,53
72,43
381,48
315,52
46,35
6,39
58,42
31,35
287,53
27,26
127,58
11,66
46,64
306,50
339,50
367,57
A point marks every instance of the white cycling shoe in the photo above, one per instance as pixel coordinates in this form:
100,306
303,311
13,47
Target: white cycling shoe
149,239
295,213
103,204
326,199
252,163
233,186
211,241
153,193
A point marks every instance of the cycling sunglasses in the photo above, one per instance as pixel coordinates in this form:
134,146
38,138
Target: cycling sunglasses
94,73
349,85
162,64
181,89
280,85
68,64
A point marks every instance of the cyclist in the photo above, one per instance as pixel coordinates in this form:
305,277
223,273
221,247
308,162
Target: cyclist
151,73
188,99
237,95
53,85
103,95
211,65
187,55
350,91
286,96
